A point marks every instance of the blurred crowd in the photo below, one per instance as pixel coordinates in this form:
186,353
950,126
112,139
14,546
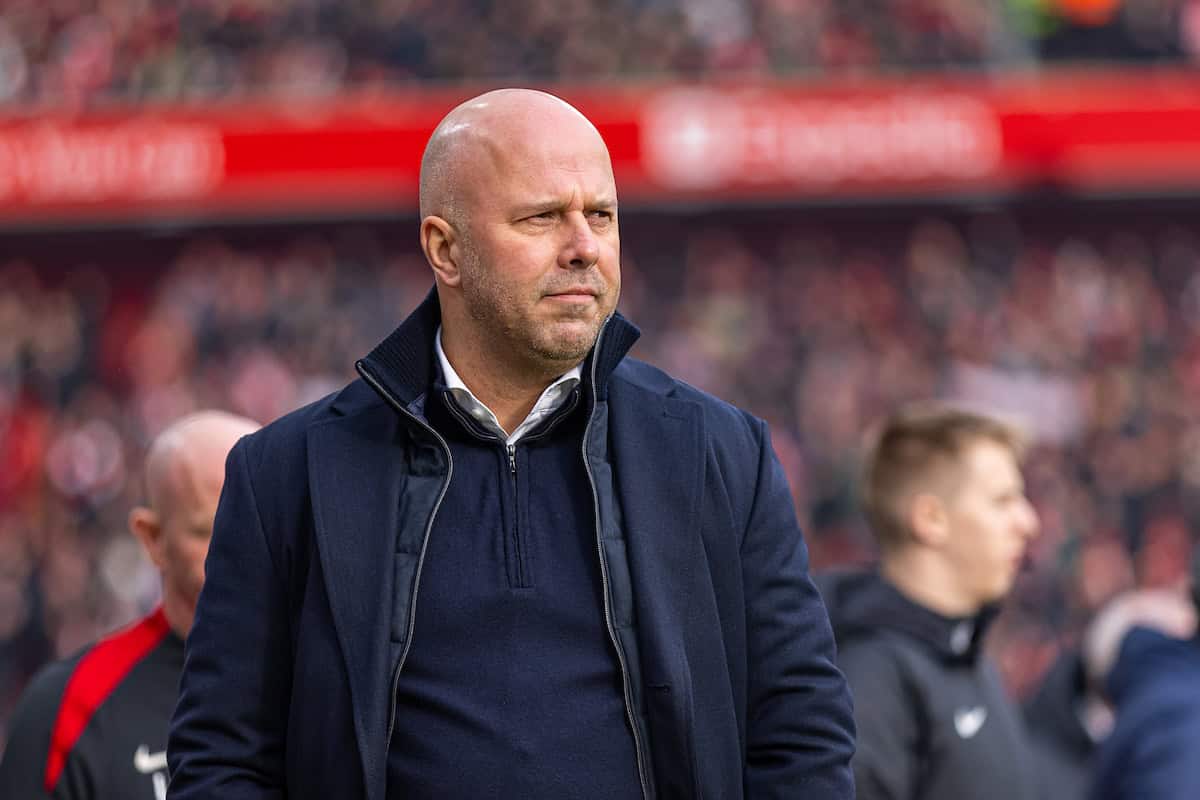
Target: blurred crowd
71,53
1088,333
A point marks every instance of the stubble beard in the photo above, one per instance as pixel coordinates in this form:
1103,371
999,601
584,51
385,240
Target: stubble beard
504,316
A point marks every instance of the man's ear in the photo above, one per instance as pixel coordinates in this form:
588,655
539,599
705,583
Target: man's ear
439,240
927,519
146,526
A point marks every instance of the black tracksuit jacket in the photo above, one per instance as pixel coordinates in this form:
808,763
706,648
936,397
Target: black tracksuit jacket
933,719
94,726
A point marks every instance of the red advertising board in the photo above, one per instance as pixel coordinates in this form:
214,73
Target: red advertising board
1110,132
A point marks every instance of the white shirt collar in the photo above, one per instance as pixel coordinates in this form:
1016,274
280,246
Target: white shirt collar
550,401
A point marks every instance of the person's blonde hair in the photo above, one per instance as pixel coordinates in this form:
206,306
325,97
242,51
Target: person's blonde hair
918,449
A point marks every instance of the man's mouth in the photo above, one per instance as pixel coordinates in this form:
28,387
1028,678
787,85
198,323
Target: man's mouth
579,295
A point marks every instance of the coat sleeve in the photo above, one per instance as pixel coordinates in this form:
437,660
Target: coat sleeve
886,759
228,733
800,727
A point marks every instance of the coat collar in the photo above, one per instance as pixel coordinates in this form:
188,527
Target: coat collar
405,363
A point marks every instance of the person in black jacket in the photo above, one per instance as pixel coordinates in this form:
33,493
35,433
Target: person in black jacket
94,726
945,498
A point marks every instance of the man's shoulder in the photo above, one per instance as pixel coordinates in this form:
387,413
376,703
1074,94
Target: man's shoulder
1157,670
1167,694
44,692
30,730
37,710
289,433
645,377
901,662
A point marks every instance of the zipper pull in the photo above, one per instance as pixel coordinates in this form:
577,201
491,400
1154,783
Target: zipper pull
512,458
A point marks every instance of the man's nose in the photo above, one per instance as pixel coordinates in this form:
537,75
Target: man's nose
1030,523
582,249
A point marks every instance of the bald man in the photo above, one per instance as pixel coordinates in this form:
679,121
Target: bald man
94,726
510,561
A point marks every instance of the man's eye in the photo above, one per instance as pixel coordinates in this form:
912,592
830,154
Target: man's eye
604,215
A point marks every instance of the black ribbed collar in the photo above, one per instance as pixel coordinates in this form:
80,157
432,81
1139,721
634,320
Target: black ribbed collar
405,363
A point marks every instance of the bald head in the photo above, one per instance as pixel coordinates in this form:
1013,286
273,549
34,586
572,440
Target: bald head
189,456
476,141
519,225
185,470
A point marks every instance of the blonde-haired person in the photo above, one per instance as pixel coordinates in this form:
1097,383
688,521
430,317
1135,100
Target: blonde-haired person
943,492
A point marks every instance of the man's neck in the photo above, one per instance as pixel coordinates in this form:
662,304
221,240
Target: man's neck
919,578
509,389
178,613
510,401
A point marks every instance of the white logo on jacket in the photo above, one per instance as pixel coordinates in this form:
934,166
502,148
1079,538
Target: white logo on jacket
146,762
968,721
155,765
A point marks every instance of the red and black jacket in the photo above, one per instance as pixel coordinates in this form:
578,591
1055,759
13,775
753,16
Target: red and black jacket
95,725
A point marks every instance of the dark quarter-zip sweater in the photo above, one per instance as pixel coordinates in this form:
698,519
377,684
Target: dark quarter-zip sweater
512,687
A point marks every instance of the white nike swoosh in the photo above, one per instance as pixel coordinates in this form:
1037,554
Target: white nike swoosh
968,721
146,762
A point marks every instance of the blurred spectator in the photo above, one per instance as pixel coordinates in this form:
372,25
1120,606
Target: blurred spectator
1069,714
1147,651
945,498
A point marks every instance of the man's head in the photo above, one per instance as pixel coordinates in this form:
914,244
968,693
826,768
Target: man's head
184,472
519,223
946,484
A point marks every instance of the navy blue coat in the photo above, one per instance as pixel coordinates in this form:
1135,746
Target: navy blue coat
315,562
1153,752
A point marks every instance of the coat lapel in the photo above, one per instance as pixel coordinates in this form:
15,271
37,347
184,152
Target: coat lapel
658,452
356,472
659,460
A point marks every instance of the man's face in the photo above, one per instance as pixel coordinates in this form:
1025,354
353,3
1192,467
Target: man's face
539,248
186,533
990,521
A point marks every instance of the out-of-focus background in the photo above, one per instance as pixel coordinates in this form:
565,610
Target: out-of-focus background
829,208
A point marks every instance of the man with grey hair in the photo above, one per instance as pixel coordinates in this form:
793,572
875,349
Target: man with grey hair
94,725
509,561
